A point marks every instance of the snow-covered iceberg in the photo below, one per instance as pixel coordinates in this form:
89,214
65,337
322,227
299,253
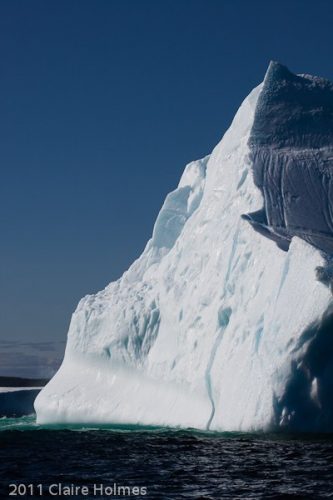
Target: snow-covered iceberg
216,326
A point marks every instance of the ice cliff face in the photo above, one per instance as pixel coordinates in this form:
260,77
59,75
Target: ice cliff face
215,326
291,145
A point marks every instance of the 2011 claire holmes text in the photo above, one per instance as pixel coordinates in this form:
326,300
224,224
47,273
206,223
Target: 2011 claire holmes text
72,490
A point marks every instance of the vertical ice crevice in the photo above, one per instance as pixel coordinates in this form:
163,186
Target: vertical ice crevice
284,275
223,319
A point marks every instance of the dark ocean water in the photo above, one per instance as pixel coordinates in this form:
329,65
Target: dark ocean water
169,464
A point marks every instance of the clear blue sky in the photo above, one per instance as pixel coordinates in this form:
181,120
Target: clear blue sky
102,103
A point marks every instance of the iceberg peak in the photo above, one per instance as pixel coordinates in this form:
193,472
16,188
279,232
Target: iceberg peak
277,72
293,111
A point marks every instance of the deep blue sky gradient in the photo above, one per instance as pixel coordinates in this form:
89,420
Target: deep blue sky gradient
102,103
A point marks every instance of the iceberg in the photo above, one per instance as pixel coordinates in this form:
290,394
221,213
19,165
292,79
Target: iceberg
225,321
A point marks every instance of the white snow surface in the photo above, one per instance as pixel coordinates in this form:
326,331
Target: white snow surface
201,331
